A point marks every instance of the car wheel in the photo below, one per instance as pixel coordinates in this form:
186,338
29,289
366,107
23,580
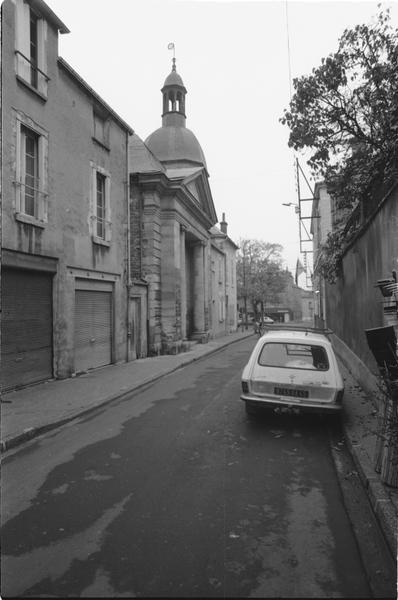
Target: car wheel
250,409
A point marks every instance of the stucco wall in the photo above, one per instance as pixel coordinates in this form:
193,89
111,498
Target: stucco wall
353,303
66,119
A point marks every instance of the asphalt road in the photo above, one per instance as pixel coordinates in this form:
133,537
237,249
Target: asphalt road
175,492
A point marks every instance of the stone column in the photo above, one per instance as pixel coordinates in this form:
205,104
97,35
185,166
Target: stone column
170,289
199,291
206,278
183,282
151,266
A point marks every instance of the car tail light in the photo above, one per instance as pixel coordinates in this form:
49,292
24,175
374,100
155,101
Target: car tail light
245,387
339,396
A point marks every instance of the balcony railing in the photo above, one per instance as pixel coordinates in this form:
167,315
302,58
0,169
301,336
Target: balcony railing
31,73
31,198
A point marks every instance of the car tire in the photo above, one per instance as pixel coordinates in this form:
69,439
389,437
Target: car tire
250,409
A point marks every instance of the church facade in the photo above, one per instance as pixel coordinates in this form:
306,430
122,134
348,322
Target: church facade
182,285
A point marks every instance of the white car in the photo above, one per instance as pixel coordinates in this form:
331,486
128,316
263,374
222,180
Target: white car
293,369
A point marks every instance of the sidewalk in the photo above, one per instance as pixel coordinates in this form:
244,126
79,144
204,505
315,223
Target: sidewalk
31,411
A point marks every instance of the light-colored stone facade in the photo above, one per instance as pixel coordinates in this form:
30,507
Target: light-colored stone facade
179,248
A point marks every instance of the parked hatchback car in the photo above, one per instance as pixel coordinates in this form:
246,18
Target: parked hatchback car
293,369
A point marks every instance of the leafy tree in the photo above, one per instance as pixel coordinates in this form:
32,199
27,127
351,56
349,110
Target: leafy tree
259,273
346,114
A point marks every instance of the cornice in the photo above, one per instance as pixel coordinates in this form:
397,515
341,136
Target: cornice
153,181
194,207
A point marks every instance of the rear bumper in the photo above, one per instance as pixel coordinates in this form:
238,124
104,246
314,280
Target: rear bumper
305,406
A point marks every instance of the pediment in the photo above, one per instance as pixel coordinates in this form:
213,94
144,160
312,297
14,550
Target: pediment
194,184
197,185
191,185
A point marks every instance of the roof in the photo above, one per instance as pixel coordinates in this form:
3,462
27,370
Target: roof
182,172
295,336
217,233
89,90
141,159
51,17
173,79
178,144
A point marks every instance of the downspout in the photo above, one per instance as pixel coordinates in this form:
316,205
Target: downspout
226,329
128,284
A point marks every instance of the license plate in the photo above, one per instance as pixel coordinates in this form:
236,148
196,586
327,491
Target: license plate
291,392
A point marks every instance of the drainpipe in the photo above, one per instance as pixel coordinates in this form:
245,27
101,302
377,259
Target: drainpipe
128,284
226,328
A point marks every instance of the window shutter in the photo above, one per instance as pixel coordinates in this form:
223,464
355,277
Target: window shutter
108,228
19,167
93,195
22,39
42,55
43,178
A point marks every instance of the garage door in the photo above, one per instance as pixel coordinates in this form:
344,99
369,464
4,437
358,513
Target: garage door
93,329
26,327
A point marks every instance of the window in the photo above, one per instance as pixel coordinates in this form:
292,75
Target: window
31,36
30,162
31,172
220,270
33,48
101,210
101,129
297,356
221,308
100,217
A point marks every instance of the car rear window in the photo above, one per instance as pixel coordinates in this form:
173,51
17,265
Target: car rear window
293,356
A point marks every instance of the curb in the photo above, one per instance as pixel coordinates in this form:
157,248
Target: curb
33,432
382,506
380,502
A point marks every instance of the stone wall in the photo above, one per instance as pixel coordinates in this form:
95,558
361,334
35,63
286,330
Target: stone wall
354,303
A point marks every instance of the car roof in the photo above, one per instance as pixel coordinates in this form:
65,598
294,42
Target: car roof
304,337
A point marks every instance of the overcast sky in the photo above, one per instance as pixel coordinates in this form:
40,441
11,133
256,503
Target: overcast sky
233,59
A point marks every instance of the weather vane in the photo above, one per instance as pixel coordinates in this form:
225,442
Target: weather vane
172,47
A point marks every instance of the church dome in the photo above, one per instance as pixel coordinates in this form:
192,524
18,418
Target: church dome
175,144
173,79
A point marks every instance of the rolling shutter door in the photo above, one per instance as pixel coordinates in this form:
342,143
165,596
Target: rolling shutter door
26,327
93,329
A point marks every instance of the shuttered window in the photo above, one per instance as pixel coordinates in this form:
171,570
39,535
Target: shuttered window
26,327
31,47
93,329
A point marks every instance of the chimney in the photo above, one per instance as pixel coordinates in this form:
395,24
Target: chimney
224,225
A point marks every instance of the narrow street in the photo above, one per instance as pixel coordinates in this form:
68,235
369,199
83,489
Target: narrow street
175,492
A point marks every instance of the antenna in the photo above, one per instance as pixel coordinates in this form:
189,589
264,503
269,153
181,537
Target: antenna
304,234
288,50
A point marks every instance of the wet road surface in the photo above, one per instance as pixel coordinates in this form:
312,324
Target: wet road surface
175,492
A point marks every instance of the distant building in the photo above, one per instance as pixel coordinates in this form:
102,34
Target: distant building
323,216
223,281
64,213
294,304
